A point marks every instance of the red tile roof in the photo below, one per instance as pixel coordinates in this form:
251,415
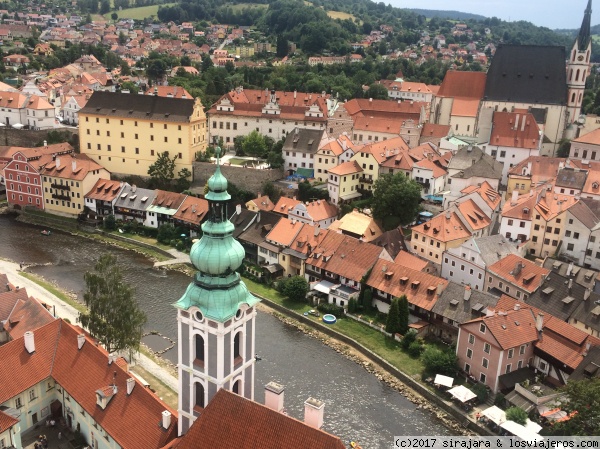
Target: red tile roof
284,205
284,232
433,130
463,84
346,168
511,129
409,260
352,258
230,421
169,200
131,420
262,203
444,227
528,277
397,280
74,167
6,421
193,210
104,190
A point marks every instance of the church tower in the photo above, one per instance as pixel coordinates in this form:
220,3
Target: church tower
216,315
578,67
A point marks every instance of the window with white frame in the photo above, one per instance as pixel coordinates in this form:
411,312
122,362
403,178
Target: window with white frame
511,353
469,353
487,348
485,362
31,395
482,328
508,368
543,365
18,402
471,339
522,350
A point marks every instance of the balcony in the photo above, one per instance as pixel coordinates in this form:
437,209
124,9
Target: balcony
58,196
365,180
60,186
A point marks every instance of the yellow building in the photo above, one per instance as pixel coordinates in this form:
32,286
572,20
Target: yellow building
331,154
370,157
66,180
126,132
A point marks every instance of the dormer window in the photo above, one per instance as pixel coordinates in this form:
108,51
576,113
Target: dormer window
403,280
525,210
595,185
415,285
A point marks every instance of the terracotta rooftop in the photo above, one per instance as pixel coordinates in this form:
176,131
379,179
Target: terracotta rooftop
409,260
262,203
318,210
72,167
473,215
463,84
511,129
433,130
592,138
352,258
168,200
384,149
345,168
104,190
284,232
357,225
421,289
520,272
230,421
131,420
193,210
284,205
445,227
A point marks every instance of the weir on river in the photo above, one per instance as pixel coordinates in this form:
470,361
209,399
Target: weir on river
358,406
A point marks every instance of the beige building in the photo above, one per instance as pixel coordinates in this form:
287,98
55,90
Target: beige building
66,180
125,133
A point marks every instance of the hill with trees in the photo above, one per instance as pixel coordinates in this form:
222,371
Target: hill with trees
451,15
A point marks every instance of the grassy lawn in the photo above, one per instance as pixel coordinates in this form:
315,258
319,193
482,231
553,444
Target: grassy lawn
340,15
141,238
55,291
237,161
370,338
137,13
162,390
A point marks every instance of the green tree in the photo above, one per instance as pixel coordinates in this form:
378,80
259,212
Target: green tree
271,191
122,38
396,196
162,171
113,315
295,288
437,361
517,415
392,324
564,147
367,302
254,144
156,69
378,91
104,7
582,399
183,180
130,86
110,223
282,46
114,16
403,310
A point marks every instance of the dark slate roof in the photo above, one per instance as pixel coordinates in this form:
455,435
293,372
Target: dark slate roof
451,303
554,297
583,312
571,178
131,198
241,220
304,140
146,107
392,241
589,366
258,230
527,74
583,39
582,276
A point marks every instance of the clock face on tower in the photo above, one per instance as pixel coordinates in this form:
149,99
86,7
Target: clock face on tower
580,58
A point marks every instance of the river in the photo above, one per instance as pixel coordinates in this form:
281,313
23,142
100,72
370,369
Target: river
358,406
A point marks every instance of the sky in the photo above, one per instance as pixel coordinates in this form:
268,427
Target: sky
549,13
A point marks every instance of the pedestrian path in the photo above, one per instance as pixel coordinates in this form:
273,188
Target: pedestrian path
65,311
179,257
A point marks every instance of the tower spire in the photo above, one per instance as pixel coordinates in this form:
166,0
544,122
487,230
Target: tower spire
584,36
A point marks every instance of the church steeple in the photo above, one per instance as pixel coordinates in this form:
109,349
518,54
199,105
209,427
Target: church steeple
216,314
578,67
584,37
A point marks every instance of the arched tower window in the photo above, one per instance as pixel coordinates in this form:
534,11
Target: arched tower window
577,75
237,386
587,56
573,56
573,97
570,74
198,395
237,348
199,350
580,97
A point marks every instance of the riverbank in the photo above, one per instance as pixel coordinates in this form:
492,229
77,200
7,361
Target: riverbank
342,347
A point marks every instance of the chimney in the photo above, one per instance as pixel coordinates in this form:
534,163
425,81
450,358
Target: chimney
517,306
523,124
130,385
57,162
448,215
539,322
74,165
587,293
274,394
517,122
80,341
166,419
570,269
295,93
29,342
313,412
570,285
238,209
46,143
467,295
514,198
439,289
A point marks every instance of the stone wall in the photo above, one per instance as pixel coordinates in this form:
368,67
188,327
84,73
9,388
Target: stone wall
248,179
27,137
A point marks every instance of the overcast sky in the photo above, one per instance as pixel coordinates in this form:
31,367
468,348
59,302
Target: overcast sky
549,13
